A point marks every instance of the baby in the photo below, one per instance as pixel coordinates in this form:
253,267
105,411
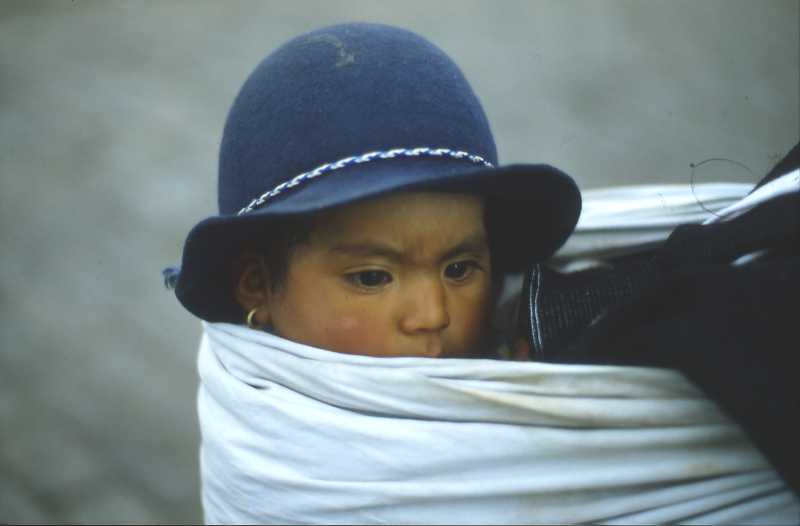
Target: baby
362,209
409,274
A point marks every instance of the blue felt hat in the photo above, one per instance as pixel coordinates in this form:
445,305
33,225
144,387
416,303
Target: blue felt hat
355,111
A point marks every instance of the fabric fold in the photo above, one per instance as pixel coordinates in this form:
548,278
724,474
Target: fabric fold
295,434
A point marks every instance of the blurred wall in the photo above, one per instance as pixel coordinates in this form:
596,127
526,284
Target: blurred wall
110,119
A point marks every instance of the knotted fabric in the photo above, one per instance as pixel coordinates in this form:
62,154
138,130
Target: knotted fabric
296,434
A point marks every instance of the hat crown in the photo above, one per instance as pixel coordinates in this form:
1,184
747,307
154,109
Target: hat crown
341,91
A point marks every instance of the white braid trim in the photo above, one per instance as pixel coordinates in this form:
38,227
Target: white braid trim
358,159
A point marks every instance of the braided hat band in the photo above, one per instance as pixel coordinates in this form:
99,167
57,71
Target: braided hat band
359,159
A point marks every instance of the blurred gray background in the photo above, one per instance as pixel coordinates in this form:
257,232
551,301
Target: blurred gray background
110,119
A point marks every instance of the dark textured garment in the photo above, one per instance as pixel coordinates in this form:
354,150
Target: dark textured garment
732,329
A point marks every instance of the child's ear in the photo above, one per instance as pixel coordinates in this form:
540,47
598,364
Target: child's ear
252,287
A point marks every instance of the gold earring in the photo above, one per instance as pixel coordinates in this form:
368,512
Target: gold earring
249,319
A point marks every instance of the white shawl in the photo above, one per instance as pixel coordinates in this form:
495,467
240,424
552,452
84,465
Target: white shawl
617,218
296,434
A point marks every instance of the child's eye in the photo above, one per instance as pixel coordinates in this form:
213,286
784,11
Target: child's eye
460,270
370,278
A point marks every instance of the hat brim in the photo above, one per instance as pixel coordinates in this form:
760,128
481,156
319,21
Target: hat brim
533,208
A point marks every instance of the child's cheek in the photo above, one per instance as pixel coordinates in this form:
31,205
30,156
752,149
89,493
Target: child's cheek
355,334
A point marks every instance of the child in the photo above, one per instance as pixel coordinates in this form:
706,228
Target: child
362,210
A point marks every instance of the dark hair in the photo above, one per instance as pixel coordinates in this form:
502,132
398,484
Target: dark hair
275,245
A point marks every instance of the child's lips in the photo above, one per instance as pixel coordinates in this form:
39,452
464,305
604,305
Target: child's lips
435,349
436,345
427,349
438,350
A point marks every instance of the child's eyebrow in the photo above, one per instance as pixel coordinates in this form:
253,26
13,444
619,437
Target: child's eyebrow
368,248
476,243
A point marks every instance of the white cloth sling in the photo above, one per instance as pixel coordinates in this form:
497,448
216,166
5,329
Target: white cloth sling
295,434
618,219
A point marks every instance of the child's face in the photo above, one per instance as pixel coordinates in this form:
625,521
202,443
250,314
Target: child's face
404,275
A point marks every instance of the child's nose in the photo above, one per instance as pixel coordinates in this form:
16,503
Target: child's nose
425,307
